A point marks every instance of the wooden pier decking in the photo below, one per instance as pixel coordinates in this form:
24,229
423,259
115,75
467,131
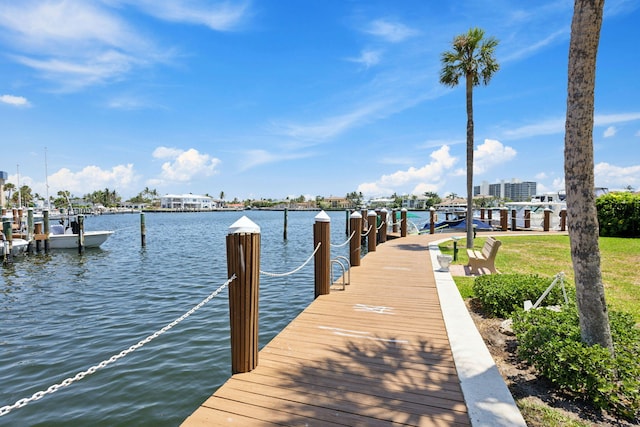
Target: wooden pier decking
374,354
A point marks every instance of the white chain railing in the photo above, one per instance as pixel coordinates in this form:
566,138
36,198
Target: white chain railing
80,375
266,273
345,243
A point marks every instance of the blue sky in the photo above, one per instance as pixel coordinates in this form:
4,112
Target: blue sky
277,98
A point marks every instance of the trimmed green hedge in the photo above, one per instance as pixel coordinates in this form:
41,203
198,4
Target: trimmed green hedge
619,215
502,294
550,341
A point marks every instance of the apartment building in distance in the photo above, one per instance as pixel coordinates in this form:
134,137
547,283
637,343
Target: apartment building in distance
515,191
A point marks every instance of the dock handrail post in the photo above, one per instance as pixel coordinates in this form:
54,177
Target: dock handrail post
383,221
143,231
547,220
355,244
504,221
527,218
432,220
80,234
489,215
482,214
514,226
243,260
45,214
373,231
322,258
403,224
8,243
563,219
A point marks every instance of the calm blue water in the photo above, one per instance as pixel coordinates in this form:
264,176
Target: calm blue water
64,312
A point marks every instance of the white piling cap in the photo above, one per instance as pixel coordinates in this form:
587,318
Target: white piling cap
372,213
322,217
355,214
403,209
244,225
384,210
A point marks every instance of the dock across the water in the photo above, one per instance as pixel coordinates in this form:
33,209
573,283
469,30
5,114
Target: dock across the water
396,347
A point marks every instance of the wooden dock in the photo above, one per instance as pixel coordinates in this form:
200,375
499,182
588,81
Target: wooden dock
374,354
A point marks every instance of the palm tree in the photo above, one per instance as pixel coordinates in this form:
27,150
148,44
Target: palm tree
473,58
10,188
579,176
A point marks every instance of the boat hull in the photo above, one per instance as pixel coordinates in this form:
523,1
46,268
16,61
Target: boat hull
18,247
92,239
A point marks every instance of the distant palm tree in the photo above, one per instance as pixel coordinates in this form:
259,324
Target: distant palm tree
582,216
473,58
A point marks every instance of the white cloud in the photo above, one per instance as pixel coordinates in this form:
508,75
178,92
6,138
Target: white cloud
18,101
557,126
429,176
121,178
610,131
611,176
368,58
390,31
541,176
531,49
185,165
74,44
253,158
490,154
223,16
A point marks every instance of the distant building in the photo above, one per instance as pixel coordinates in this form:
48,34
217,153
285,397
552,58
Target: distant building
188,202
516,191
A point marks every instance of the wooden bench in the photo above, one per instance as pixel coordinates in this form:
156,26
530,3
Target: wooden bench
484,258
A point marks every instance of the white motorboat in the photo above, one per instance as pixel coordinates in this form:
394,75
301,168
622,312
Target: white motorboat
18,247
61,238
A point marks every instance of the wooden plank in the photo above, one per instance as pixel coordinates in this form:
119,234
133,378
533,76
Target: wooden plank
376,353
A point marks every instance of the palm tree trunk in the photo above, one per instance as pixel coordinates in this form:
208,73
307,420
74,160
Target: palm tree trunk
469,79
581,209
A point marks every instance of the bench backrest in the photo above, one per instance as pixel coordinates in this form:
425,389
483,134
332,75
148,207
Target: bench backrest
490,248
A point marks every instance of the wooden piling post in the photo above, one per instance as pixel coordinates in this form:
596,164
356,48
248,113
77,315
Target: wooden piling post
504,221
286,217
29,237
514,225
547,220
365,220
143,230
372,238
563,219
403,222
347,223
322,258
243,260
432,220
46,231
527,218
383,222
482,214
354,244
489,214
80,234
394,220
8,241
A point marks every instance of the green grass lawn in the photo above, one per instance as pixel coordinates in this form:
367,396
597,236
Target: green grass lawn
548,255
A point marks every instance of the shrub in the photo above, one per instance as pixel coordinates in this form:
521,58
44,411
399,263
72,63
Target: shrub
619,215
502,294
550,341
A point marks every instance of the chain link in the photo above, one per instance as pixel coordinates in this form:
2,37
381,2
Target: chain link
80,375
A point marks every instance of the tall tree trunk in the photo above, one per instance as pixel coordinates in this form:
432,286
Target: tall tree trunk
581,208
469,79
